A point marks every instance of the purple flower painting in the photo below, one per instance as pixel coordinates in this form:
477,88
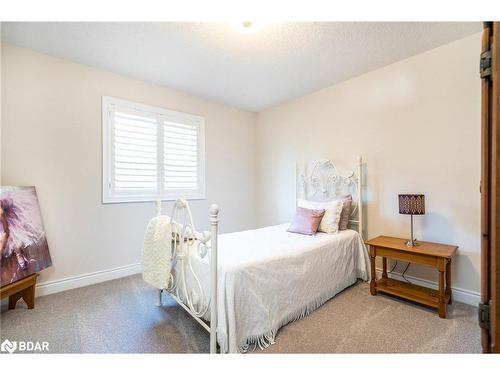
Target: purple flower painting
23,245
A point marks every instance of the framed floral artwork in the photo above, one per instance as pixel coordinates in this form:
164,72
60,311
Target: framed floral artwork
23,244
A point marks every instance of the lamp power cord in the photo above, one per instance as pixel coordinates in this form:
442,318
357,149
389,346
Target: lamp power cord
404,272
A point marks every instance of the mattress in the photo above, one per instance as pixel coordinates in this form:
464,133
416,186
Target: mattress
269,277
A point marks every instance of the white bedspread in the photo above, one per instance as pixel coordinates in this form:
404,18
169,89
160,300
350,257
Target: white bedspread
269,277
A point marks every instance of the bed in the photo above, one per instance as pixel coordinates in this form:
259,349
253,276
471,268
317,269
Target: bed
267,277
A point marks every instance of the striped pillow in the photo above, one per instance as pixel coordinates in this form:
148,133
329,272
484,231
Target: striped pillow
346,212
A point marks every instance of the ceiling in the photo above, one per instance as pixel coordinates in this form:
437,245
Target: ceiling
255,71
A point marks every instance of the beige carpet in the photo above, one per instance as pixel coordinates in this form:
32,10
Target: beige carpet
120,317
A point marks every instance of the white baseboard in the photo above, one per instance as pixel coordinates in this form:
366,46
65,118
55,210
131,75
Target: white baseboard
78,281
460,295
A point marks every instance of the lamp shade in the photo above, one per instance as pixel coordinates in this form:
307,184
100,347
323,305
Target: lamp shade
412,204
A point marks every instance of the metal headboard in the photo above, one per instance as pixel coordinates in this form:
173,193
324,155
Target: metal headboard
324,182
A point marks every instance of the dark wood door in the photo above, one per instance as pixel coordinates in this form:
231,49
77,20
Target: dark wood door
490,186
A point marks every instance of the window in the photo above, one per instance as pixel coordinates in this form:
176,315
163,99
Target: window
151,153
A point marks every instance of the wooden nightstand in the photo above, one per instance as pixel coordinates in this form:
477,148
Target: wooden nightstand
430,254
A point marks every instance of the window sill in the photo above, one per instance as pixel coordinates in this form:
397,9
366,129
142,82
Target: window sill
143,200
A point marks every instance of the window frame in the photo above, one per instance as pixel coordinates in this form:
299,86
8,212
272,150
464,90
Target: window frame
108,104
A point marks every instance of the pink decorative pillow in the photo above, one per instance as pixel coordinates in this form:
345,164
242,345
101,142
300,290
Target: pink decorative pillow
306,221
346,212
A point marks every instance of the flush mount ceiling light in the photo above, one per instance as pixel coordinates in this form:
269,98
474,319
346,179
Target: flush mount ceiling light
247,27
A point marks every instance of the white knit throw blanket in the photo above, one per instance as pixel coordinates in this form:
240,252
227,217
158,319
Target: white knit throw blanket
157,252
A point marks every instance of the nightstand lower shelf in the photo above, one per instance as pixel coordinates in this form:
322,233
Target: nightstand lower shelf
412,292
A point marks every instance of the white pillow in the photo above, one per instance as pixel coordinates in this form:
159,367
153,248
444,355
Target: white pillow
330,221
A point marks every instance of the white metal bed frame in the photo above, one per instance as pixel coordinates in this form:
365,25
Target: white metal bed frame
182,241
323,183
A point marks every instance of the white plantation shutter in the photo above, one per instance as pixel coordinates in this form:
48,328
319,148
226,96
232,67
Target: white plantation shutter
180,149
135,154
151,153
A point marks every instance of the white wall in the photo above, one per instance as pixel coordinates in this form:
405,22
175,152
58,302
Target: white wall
417,125
51,127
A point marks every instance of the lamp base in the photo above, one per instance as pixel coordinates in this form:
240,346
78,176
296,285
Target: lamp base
412,243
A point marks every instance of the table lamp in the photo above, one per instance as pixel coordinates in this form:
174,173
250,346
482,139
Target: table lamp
412,204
